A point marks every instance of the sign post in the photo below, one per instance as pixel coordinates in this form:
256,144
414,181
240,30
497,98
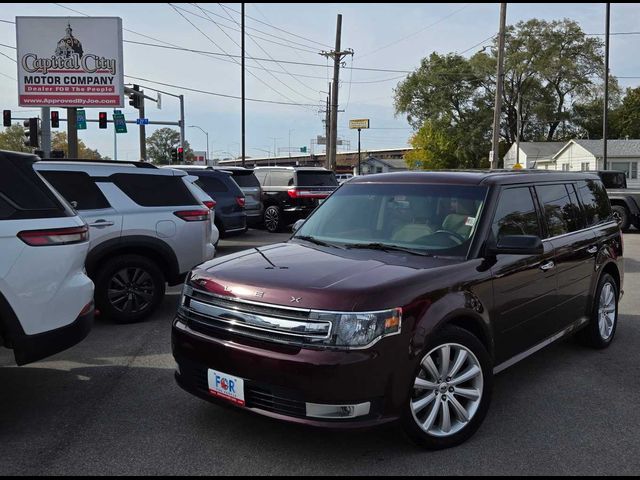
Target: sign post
359,124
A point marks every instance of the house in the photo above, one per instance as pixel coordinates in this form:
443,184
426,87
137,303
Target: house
378,165
533,154
622,155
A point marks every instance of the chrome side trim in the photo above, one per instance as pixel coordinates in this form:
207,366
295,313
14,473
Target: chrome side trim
521,356
316,330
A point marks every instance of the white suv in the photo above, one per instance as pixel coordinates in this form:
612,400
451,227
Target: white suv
46,297
148,228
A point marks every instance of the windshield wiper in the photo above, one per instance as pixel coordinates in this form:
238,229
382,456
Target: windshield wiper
387,248
311,239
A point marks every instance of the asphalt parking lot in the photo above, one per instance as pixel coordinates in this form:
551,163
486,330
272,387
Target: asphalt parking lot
110,406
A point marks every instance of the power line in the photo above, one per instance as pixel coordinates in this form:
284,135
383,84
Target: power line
205,92
416,32
478,44
213,41
7,56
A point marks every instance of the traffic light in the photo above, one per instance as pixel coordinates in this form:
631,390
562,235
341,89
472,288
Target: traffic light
180,154
6,118
55,119
174,154
134,98
102,119
31,133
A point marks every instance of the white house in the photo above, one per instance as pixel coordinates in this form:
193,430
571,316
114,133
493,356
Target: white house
533,154
379,165
623,155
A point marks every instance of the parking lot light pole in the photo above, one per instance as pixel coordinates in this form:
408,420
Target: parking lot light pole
208,161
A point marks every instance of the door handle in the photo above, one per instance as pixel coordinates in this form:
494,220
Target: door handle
593,249
547,266
101,224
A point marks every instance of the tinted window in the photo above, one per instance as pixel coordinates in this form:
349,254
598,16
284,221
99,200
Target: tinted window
316,179
281,178
613,179
516,214
77,187
561,213
595,201
154,190
6,210
245,179
211,185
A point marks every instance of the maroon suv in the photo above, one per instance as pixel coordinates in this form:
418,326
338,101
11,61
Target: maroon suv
400,297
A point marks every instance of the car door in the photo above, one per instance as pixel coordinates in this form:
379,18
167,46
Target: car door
524,286
575,256
85,195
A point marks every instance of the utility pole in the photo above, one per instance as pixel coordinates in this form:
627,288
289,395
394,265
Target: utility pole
518,127
493,157
45,125
142,129
605,116
72,133
337,56
327,139
242,82
181,97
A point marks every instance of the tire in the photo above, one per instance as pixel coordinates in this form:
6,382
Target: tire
131,302
621,214
273,219
601,328
477,391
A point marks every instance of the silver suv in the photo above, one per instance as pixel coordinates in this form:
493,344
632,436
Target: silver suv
147,226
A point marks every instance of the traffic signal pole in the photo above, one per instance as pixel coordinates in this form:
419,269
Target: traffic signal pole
72,132
143,133
45,125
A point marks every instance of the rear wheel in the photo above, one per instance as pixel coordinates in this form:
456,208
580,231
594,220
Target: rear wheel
129,288
451,390
621,215
272,219
604,315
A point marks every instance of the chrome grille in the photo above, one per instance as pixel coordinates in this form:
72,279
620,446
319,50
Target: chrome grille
206,313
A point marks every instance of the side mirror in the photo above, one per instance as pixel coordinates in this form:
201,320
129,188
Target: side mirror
518,245
297,225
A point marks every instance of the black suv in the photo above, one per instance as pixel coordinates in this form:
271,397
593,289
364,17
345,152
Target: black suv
230,216
292,193
625,202
401,296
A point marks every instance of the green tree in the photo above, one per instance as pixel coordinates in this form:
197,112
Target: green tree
160,143
59,142
627,117
13,139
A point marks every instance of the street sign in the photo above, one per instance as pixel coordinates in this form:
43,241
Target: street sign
81,119
119,122
142,121
303,149
359,123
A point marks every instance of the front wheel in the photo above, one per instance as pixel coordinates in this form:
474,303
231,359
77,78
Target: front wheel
604,315
451,391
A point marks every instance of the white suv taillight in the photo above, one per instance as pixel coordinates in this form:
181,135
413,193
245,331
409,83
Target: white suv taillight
58,236
210,204
193,215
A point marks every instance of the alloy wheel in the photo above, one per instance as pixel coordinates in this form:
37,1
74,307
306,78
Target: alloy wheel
131,290
447,391
271,219
607,310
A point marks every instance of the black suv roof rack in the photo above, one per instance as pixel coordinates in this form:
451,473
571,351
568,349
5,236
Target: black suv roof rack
110,162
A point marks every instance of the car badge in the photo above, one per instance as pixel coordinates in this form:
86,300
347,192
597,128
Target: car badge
295,299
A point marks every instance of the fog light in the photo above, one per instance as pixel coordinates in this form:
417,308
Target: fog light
318,410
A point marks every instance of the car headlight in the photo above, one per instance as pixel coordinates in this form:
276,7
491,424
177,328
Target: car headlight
359,329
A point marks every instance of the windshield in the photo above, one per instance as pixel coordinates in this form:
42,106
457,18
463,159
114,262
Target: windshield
429,219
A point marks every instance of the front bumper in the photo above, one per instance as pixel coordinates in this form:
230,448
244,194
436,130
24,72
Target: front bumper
292,383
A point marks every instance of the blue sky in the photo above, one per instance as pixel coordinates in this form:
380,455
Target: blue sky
383,36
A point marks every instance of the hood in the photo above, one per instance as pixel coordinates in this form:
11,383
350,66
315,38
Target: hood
326,278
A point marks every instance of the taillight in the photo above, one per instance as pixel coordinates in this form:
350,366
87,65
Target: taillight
300,193
193,215
210,204
240,201
293,193
59,236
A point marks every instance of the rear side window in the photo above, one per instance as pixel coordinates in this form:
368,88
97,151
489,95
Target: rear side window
595,201
77,187
154,190
561,212
245,179
316,179
24,195
516,214
211,184
261,175
281,179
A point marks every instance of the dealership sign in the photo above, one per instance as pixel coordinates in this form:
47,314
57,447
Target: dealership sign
70,61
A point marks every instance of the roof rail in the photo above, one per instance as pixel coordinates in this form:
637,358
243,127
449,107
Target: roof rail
110,162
